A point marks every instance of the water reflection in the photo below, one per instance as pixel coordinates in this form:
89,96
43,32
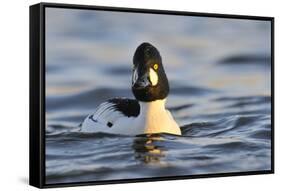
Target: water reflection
148,148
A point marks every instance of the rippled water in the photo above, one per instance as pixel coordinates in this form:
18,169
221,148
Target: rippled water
219,74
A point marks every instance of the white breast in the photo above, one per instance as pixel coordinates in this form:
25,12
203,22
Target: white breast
157,119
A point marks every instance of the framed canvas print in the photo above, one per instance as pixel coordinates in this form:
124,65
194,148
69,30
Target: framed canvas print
123,95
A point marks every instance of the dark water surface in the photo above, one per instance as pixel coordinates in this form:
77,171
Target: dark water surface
219,74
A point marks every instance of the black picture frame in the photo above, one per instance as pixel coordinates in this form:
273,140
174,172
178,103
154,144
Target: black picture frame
37,93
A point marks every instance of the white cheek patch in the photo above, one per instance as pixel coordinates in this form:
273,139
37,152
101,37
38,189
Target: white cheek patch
153,77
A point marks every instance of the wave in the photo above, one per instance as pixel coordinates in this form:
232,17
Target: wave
246,59
234,125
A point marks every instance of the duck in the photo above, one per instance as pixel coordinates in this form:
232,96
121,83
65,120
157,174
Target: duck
146,114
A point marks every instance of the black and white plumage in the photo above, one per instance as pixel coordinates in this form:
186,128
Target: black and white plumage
146,114
110,111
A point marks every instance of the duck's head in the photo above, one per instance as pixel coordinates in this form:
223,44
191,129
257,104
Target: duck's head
149,81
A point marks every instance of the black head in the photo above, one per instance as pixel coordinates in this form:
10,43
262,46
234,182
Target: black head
149,82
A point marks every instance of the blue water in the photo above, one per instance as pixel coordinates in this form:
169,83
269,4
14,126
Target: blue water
219,74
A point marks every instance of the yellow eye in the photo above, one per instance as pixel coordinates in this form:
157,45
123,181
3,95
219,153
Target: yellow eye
155,66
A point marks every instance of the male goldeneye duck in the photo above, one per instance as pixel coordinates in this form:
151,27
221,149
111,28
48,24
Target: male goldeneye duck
145,115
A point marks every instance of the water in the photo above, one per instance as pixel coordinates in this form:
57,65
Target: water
219,74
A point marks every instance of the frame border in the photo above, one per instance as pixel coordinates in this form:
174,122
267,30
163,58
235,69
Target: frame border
37,161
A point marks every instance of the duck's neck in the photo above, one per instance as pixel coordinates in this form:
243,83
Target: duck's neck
152,108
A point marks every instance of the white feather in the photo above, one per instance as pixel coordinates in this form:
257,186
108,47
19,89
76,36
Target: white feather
153,76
